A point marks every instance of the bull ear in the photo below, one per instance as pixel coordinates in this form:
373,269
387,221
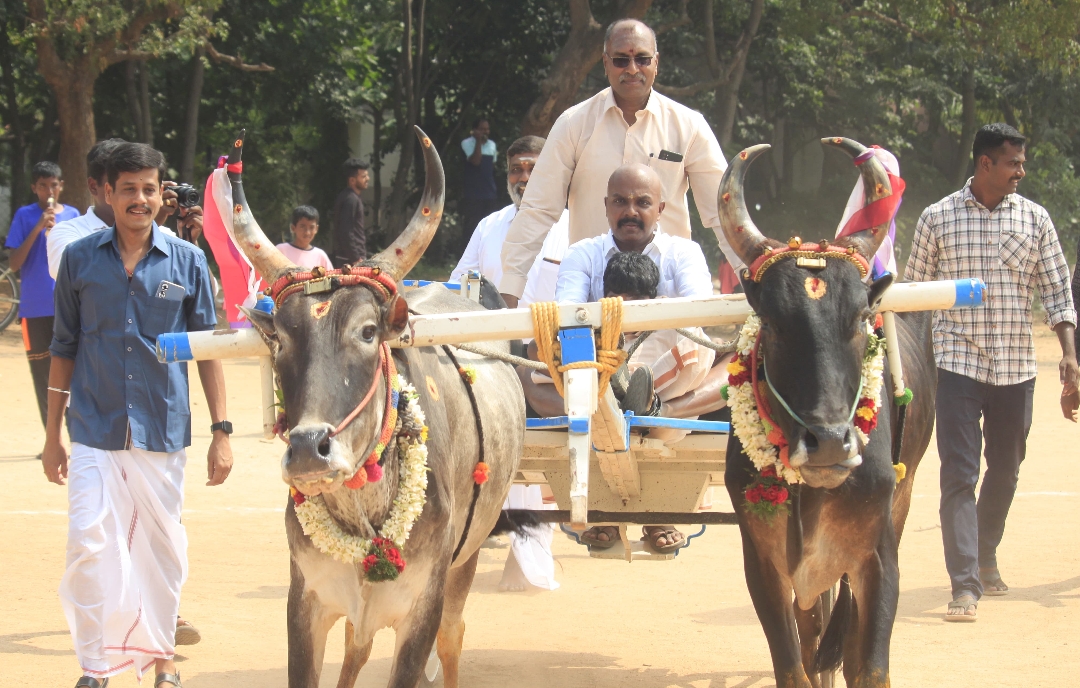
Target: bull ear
875,291
395,316
263,322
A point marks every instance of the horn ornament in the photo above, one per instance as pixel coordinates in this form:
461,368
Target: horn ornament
400,257
876,186
263,254
740,231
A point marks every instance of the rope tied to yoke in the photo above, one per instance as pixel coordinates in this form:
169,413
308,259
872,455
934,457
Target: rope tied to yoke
609,356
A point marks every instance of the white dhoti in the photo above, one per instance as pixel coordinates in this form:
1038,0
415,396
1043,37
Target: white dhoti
126,557
533,551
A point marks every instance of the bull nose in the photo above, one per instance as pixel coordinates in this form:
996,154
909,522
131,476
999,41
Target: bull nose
826,445
310,448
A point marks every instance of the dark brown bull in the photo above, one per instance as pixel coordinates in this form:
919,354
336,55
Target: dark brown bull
847,519
325,348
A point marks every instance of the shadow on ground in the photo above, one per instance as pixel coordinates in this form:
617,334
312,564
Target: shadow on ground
520,669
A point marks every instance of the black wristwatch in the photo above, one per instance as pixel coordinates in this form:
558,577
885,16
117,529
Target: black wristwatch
223,425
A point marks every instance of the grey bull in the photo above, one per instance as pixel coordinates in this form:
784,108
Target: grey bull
326,350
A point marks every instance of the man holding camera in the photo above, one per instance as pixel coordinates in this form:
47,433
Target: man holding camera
100,216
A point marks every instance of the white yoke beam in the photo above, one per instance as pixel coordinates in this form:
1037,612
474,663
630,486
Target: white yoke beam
480,326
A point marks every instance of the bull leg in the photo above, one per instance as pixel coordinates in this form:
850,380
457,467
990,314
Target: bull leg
308,625
356,656
810,623
772,601
876,587
416,634
452,628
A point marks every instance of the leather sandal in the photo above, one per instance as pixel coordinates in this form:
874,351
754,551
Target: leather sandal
91,682
639,396
174,679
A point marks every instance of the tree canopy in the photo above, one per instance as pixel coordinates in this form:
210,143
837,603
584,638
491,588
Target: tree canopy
915,76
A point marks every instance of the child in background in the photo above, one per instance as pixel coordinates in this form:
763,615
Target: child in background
304,226
26,239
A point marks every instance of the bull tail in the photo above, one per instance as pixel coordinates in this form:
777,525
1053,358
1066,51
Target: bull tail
830,653
522,522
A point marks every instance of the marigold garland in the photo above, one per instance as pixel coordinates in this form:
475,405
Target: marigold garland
329,538
765,443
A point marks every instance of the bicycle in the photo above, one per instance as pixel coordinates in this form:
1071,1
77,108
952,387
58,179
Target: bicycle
9,294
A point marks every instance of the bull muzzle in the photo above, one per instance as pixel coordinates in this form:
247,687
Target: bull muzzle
825,455
315,462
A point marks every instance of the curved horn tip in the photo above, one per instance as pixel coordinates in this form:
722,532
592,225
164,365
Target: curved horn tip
236,153
849,146
424,138
748,154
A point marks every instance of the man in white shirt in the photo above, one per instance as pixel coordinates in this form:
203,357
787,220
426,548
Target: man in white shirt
99,216
628,122
484,252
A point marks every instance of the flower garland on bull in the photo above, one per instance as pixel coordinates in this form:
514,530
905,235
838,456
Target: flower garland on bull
404,423
751,418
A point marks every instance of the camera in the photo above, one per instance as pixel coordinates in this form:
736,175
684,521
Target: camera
187,195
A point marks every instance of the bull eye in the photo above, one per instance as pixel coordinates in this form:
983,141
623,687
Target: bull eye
368,333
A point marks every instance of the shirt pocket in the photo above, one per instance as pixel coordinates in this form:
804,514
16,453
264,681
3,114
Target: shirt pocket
671,175
159,316
1014,248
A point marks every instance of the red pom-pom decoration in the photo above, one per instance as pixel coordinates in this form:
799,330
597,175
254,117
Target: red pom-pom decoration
480,473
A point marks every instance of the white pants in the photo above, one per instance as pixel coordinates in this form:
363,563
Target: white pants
533,551
126,557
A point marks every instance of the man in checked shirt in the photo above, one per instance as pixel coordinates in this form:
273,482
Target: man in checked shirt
986,356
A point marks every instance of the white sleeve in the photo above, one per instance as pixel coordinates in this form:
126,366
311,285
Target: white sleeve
574,278
470,260
62,234
692,276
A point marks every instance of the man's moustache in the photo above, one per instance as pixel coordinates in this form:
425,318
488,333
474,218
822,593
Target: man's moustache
631,221
138,207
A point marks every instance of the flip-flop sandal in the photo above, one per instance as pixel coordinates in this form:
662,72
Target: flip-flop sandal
992,583
593,542
91,682
963,602
659,532
186,634
173,679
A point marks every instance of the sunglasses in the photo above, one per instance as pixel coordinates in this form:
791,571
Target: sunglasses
624,62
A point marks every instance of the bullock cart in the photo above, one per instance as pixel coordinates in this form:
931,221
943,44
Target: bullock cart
599,462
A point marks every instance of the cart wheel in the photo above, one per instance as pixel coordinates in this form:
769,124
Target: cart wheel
9,297
828,598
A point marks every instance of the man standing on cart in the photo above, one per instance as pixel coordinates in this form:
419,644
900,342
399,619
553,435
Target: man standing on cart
626,123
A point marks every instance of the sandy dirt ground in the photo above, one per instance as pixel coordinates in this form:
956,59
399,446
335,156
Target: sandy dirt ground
686,623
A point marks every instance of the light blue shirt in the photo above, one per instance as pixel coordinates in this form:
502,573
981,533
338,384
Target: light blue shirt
108,324
469,145
683,270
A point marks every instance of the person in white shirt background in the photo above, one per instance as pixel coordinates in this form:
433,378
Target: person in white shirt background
99,216
484,251
304,226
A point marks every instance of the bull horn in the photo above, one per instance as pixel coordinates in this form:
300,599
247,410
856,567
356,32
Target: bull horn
400,257
267,259
876,186
742,234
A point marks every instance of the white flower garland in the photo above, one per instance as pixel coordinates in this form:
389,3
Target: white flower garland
746,423
328,536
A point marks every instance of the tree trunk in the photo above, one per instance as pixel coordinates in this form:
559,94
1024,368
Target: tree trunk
406,111
144,104
75,106
727,95
582,50
191,120
376,169
967,131
134,108
20,188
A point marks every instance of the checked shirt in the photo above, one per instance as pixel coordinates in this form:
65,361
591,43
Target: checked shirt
1013,249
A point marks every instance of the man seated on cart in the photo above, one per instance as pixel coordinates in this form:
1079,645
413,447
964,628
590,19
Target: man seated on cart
669,374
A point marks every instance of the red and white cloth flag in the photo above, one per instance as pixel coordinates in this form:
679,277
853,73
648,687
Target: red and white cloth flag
859,216
239,280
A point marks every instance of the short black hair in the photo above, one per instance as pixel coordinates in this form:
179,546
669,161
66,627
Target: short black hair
626,20
134,157
304,212
95,159
476,122
352,166
629,272
526,144
46,169
991,137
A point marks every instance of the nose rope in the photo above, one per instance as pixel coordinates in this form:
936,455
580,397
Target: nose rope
385,366
795,416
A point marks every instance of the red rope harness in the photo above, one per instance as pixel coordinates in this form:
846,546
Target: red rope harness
386,366
372,277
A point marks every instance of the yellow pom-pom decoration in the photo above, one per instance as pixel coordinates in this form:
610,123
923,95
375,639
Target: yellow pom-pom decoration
901,471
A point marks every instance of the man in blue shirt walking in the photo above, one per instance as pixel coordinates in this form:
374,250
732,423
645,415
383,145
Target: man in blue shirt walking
29,227
116,291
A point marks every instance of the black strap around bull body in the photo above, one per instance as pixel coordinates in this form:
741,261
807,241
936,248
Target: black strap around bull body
480,458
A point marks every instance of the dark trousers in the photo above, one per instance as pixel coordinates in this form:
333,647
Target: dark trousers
472,211
972,530
37,336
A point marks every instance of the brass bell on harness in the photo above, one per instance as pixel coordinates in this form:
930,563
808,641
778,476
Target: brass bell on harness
794,243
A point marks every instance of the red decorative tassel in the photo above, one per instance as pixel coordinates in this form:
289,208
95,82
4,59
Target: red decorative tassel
374,472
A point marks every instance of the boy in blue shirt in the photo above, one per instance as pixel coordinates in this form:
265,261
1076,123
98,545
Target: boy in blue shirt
26,238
